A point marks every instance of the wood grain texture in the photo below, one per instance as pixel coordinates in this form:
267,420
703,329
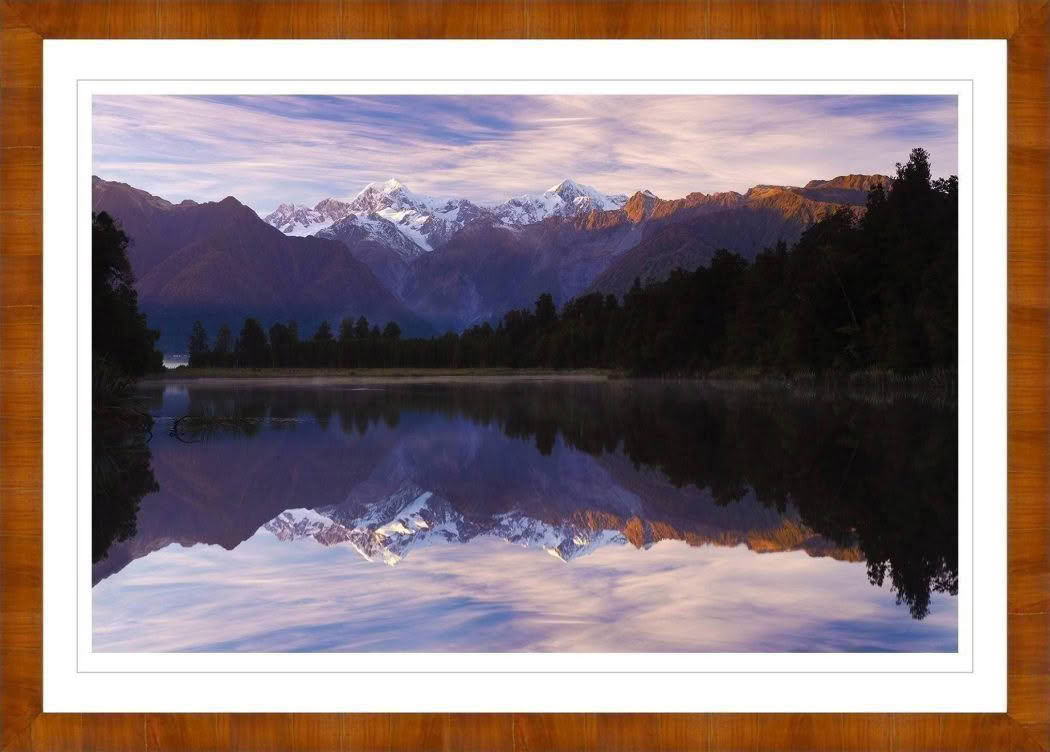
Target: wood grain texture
20,368
23,25
187,732
1028,696
388,733
636,732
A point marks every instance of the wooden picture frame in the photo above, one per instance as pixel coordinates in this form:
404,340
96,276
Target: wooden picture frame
26,23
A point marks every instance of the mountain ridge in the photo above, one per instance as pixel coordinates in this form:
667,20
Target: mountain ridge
566,198
219,262
429,222
441,264
392,537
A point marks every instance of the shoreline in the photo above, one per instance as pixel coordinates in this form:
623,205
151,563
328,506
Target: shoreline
349,376
935,386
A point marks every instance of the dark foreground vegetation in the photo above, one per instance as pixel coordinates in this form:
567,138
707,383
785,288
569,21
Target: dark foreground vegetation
877,292
123,350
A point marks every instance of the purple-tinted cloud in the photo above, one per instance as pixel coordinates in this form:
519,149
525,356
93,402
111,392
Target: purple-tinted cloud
268,149
493,596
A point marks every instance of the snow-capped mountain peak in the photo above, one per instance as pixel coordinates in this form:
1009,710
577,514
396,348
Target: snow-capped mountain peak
295,524
354,228
292,219
333,208
388,529
300,220
570,190
428,223
568,184
565,199
392,194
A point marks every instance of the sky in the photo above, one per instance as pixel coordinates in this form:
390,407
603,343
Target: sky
489,595
267,150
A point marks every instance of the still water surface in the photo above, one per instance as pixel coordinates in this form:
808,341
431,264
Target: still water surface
307,515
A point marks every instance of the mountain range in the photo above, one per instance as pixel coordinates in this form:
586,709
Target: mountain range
428,222
430,264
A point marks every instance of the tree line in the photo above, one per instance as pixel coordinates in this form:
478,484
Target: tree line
123,349
853,293
357,344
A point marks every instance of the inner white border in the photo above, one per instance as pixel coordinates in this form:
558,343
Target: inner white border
974,679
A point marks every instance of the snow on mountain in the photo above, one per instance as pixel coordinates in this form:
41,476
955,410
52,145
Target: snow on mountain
565,541
295,524
391,195
300,220
354,228
428,222
387,530
293,219
566,199
383,531
425,222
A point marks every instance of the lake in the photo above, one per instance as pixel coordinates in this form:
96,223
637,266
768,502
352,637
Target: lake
527,514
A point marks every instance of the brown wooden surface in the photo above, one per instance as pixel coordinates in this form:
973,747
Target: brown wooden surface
23,26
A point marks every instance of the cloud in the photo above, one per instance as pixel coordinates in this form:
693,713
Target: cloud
270,149
492,596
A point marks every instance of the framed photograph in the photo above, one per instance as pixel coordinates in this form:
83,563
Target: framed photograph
525,376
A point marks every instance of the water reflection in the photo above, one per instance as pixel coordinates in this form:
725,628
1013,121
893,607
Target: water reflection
624,480
121,473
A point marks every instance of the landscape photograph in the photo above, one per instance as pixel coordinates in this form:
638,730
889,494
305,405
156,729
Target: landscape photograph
524,373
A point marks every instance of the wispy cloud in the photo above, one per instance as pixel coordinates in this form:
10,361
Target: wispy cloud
490,595
269,149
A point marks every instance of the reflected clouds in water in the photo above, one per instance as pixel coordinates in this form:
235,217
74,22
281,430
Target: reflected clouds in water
564,516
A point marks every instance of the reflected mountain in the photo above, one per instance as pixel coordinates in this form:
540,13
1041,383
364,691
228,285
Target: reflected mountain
562,466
